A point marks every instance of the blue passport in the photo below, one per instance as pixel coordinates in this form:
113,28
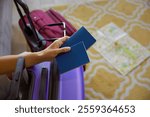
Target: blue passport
76,57
81,35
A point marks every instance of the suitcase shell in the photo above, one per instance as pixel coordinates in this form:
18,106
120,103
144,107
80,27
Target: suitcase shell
71,84
36,80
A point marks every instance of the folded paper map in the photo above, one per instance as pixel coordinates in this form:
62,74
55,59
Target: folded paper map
123,52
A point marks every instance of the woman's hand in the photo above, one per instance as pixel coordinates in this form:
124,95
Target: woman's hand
54,49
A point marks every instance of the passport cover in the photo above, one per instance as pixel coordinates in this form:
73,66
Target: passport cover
76,57
81,35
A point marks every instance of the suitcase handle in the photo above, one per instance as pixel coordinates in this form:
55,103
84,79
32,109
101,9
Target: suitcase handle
25,8
56,24
14,86
27,12
43,83
54,81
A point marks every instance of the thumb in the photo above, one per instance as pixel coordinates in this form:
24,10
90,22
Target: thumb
62,50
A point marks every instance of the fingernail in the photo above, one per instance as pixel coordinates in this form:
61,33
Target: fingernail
67,37
68,48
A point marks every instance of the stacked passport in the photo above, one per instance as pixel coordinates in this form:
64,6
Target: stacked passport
79,43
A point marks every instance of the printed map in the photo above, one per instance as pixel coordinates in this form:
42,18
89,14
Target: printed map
123,52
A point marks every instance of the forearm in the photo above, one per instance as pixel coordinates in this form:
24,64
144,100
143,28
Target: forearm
8,63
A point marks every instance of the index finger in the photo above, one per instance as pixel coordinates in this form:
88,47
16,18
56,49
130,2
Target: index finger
63,39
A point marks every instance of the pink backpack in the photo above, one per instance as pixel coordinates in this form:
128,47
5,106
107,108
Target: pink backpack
42,28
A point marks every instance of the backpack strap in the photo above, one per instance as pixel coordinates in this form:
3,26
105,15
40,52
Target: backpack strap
29,30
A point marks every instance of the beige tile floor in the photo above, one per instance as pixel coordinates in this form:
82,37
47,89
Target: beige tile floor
47,3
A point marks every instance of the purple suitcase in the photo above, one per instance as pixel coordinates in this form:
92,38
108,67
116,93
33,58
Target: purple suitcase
46,83
71,84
